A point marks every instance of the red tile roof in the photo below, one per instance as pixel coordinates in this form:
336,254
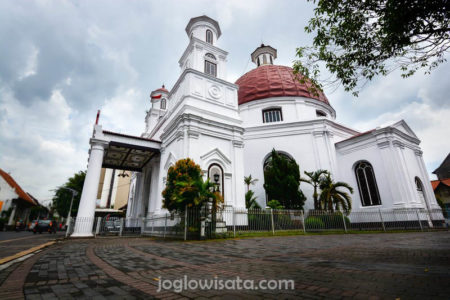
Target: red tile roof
12,183
435,183
273,81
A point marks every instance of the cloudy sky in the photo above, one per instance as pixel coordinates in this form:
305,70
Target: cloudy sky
60,61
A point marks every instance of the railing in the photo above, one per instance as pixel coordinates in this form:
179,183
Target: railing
232,222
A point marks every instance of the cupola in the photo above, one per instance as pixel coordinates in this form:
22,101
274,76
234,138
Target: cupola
158,98
264,55
204,28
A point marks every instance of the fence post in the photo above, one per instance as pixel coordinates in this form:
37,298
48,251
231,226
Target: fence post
343,220
165,225
271,218
143,225
303,222
418,219
69,226
121,227
382,221
234,222
185,223
97,228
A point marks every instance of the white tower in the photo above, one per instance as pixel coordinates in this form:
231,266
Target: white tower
202,54
158,99
202,121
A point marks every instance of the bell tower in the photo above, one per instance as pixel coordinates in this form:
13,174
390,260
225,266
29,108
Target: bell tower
202,53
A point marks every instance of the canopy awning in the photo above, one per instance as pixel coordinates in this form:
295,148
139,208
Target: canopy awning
126,152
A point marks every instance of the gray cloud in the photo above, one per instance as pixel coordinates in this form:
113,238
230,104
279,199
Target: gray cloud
63,60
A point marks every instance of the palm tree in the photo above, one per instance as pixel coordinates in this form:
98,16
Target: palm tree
249,181
314,180
250,200
332,198
195,192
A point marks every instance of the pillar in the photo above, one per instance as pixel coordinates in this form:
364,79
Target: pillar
86,211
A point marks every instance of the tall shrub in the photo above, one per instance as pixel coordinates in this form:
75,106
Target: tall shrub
282,181
185,187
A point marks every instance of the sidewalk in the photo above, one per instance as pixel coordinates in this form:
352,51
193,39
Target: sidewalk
367,266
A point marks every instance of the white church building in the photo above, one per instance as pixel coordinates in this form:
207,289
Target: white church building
230,129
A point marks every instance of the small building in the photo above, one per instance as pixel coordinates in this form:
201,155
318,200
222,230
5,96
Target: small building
441,186
13,197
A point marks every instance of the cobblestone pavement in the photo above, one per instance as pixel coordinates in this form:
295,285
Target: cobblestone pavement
362,266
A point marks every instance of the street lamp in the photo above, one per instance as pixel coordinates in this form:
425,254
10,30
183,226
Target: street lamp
74,193
216,180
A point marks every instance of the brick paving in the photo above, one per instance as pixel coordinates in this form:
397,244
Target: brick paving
358,266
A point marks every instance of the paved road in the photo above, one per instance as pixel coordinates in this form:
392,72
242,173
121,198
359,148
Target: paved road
12,242
362,266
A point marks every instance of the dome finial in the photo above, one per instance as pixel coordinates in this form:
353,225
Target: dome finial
264,55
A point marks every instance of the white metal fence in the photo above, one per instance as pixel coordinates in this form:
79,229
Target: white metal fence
231,222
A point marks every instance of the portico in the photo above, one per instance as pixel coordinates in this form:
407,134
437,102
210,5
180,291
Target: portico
110,150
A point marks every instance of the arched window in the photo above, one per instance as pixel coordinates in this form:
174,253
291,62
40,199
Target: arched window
272,115
419,186
320,113
268,162
258,61
210,65
163,103
268,159
211,56
367,184
271,59
209,36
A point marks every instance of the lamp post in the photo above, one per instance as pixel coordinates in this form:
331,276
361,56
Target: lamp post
216,180
74,193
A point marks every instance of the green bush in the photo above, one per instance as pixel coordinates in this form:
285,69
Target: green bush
314,223
333,221
259,221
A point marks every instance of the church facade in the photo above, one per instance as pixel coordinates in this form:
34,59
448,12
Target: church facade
230,129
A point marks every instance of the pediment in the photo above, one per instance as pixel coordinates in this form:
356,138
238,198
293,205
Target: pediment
171,160
216,153
403,127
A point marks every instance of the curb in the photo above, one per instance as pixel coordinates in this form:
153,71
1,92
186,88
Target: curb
25,252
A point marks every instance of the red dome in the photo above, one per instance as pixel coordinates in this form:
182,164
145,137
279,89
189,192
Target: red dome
273,81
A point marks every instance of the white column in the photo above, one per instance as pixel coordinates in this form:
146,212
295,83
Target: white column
86,211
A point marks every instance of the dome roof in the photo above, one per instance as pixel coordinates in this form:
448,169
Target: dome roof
273,81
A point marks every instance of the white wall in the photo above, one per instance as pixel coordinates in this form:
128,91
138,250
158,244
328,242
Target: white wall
7,194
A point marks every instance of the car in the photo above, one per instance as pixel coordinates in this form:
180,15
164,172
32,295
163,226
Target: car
112,224
32,225
45,226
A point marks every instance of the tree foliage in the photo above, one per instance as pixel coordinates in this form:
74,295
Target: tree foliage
282,181
250,200
249,180
62,198
314,179
185,187
357,40
332,197
275,204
